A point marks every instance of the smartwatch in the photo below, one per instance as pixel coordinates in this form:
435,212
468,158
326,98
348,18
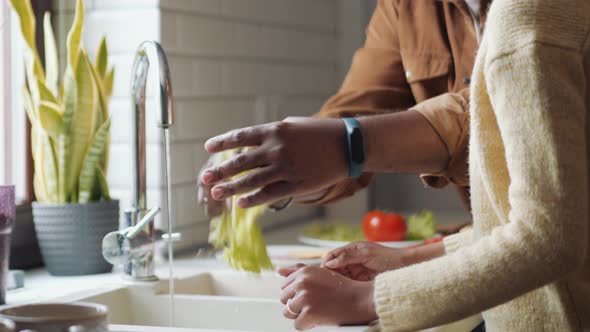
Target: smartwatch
356,147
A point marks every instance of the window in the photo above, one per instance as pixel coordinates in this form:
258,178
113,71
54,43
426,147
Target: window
13,142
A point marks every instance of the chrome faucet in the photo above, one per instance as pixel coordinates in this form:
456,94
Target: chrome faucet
134,245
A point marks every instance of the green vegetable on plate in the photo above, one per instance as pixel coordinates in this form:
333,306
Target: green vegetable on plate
421,226
334,232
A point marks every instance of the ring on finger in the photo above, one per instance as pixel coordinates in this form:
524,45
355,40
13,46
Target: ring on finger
288,306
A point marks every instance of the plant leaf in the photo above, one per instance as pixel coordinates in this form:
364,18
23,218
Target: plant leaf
108,82
102,58
45,94
82,127
30,106
51,56
28,27
103,184
65,152
51,117
39,187
38,157
75,34
90,165
49,170
24,11
102,114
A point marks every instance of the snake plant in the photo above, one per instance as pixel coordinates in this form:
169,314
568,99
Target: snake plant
70,122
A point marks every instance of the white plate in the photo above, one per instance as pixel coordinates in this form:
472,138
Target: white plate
335,244
282,256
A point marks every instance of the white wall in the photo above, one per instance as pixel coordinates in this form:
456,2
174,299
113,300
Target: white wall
234,63
240,62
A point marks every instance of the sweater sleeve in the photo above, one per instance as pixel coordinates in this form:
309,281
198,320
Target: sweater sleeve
459,240
538,95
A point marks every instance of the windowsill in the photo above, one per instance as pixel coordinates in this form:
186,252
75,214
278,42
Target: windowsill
40,286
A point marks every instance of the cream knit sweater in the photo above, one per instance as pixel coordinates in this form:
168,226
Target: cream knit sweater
525,265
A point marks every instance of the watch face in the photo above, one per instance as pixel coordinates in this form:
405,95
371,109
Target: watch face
356,141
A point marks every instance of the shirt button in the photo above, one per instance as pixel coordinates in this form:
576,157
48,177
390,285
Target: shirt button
408,74
467,80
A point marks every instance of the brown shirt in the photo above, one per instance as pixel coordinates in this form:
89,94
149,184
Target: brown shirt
419,55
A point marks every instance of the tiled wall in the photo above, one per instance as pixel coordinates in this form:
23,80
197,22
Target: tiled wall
233,62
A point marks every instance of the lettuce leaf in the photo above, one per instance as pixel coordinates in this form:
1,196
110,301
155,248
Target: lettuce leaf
237,231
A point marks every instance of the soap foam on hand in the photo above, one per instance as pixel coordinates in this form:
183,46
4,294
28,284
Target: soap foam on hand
237,231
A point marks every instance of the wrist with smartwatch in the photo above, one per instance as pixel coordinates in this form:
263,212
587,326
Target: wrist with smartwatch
356,147
356,156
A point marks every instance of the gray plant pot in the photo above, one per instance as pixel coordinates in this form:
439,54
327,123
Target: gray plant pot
24,247
70,235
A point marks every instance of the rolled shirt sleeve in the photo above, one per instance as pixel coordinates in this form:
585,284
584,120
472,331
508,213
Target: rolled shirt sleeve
448,115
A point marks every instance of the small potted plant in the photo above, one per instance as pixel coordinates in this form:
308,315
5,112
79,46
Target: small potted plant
70,143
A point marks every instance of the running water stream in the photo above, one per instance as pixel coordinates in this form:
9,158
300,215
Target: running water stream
167,170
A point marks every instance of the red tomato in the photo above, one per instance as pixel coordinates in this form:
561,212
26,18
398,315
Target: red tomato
380,226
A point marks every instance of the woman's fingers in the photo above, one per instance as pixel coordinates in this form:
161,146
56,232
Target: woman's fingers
288,293
255,179
290,279
304,321
251,136
332,254
346,256
288,314
287,271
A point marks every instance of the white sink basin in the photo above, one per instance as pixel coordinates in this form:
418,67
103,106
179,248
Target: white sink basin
229,283
222,300
216,301
197,305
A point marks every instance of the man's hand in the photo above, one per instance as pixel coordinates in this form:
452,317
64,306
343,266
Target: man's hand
212,206
317,296
363,261
295,157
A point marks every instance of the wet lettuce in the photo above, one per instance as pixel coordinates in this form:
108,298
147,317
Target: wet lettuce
237,231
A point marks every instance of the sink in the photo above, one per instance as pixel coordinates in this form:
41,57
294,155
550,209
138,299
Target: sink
204,301
129,307
223,283
217,301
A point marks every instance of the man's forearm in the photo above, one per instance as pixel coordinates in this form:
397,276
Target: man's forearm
402,142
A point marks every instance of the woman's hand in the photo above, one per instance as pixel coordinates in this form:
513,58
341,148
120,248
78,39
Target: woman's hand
363,261
295,157
317,296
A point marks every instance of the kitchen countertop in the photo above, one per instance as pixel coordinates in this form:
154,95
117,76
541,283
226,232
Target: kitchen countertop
41,287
